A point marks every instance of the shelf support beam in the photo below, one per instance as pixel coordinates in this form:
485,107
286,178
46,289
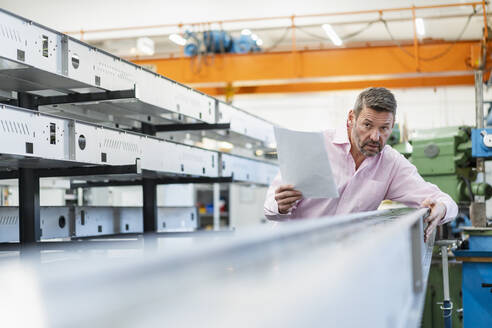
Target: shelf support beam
29,207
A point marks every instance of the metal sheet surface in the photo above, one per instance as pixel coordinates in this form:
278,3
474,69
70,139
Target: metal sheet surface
309,273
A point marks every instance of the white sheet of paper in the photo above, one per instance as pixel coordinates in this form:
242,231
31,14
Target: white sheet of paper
304,163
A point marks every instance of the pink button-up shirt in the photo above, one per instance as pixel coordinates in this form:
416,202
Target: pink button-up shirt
387,175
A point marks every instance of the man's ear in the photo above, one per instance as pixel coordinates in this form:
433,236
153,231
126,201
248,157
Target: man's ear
351,118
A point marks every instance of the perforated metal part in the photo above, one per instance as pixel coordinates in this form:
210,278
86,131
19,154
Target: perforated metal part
86,221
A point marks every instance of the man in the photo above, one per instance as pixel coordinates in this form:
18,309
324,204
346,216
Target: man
365,169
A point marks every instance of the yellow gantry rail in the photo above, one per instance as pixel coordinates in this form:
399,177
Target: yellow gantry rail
320,70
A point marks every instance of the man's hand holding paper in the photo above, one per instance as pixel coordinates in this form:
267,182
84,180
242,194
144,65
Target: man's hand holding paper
304,167
286,196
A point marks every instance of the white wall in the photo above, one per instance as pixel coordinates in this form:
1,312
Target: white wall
419,107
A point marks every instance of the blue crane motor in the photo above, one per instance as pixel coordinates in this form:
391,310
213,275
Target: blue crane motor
244,44
217,41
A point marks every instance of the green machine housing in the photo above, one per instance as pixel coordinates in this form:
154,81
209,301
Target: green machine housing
443,157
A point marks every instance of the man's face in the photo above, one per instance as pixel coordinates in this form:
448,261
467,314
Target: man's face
371,130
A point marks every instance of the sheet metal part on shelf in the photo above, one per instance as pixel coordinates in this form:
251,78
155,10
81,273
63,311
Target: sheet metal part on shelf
46,63
40,140
36,57
64,222
92,117
310,273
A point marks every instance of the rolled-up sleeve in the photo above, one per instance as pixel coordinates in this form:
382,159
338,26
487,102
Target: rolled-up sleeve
270,208
409,188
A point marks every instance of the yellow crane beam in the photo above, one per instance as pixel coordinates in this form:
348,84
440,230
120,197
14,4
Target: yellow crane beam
439,64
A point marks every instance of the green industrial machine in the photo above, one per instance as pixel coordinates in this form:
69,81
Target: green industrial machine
443,157
394,141
395,136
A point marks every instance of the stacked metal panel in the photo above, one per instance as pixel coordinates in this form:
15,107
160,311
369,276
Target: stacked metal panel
63,222
246,124
36,59
45,137
81,94
248,170
43,62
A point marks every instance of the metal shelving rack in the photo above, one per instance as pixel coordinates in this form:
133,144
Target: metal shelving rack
72,110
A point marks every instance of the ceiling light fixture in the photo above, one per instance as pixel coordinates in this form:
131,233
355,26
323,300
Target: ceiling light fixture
145,46
178,39
332,35
419,25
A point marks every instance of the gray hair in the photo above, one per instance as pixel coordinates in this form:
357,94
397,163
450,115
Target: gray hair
378,99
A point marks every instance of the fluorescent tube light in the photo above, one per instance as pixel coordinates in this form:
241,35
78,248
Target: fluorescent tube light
419,24
332,34
145,46
178,39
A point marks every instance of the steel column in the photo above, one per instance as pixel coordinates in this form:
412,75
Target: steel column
216,202
29,208
477,208
149,205
149,190
447,306
479,98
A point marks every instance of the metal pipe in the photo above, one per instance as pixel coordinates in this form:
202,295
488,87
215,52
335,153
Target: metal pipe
447,306
477,208
216,206
479,121
415,41
479,98
240,20
485,25
293,33
445,273
344,23
370,11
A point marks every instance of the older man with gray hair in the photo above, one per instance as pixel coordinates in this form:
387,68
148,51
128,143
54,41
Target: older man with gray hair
366,170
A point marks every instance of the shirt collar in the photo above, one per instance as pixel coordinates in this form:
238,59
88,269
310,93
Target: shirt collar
341,136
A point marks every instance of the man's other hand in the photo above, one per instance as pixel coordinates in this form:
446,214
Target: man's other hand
286,196
437,212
